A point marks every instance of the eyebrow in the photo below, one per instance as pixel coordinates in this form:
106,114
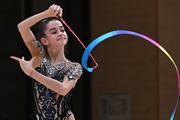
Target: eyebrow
55,28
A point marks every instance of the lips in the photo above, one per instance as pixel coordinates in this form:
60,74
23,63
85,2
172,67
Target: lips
60,39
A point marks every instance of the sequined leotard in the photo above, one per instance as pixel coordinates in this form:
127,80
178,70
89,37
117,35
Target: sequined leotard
49,104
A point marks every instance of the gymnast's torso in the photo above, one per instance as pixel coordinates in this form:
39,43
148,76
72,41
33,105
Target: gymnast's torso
49,104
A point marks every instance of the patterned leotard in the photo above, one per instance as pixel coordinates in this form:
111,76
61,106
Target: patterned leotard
49,104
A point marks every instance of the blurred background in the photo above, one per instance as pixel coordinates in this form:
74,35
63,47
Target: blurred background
134,81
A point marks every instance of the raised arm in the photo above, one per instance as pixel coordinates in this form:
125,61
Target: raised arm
24,26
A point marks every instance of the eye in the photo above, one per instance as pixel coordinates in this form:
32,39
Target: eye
62,30
54,32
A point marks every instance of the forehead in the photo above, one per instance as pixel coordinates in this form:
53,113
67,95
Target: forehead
54,24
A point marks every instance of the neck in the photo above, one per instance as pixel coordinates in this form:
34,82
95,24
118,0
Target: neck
56,56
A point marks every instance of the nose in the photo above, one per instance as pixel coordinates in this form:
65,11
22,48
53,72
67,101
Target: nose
60,32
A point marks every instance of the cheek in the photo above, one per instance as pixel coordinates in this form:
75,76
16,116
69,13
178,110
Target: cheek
66,36
50,36
47,35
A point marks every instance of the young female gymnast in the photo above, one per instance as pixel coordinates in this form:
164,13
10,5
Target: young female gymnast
54,76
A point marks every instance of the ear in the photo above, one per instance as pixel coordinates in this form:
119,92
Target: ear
44,41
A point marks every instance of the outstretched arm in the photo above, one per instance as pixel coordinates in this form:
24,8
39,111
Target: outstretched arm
24,26
60,87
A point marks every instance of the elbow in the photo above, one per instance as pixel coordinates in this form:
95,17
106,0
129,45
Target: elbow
19,26
63,91
63,94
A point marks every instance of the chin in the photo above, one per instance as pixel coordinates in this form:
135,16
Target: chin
63,43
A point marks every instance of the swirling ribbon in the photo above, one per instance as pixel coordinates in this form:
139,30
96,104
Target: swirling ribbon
103,37
121,32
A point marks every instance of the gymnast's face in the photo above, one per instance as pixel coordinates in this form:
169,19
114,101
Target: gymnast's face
55,34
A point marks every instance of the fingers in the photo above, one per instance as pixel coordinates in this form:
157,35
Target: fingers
55,10
32,60
52,9
18,59
61,11
15,58
21,59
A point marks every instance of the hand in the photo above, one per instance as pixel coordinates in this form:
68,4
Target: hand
26,66
54,11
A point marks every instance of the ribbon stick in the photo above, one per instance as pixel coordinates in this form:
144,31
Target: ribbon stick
103,37
79,41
